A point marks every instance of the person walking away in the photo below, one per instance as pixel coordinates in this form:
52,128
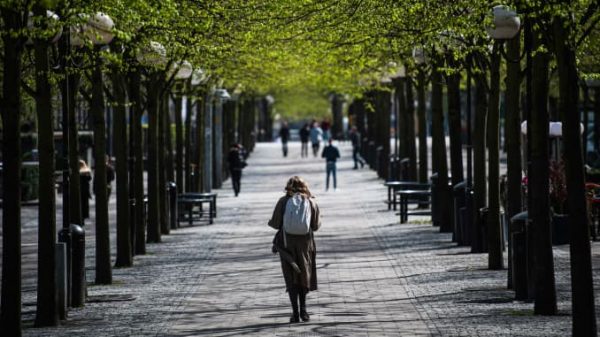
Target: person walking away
304,135
236,165
85,177
296,216
316,135
284,134
331,155
355,139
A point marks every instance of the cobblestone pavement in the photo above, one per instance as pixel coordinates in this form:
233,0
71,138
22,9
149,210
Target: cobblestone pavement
376,277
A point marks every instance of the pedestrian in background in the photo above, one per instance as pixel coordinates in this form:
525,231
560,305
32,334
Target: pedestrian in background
284,134
296,217
326,127
316,135
110,177
304,135
355,139
236,162
85,178
331,155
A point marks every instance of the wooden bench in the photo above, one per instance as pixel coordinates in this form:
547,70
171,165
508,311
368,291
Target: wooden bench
395,186
412,196
186,203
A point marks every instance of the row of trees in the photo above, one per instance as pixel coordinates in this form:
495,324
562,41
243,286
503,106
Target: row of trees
262,46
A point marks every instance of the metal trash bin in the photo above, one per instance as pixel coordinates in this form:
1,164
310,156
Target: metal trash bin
518,232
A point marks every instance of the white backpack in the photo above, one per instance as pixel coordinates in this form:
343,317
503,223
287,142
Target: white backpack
296,218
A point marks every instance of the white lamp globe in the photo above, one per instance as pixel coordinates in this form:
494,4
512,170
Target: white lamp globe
183,70
97,29
153,54
52,24
506,23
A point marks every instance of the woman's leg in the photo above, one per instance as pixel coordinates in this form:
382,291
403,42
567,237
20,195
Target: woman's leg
303,314
293,293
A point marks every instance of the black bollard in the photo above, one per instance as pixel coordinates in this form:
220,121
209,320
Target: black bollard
172,188
78,283
459,203
435,219
518,226
64,236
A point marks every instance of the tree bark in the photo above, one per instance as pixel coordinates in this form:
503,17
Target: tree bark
479,161
188,151
582,283
401,120
539,208
494,229
124,249
200,146
75,216
439,160
513,138
455,127
164,167
422,121
411,137
153,214
10,311
179,137
47,295
138,167
103,263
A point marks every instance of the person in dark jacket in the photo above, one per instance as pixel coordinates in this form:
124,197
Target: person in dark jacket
355,139
331,155
236,164
297,252
284,134
304,135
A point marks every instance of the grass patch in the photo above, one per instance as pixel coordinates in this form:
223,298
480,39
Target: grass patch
522,312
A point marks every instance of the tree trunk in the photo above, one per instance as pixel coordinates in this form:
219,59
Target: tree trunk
401,120
513,138
124,249
200,146
47,295
153,214
597,119
164,167
422,121
539,208
494,229
103,264
75,215
411,137
179,136
479,160
187,168
582,283
454,128
138,166
439,161
10,311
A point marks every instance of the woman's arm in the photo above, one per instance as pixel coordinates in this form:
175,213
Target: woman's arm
276,220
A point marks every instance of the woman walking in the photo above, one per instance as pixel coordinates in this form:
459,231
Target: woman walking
296,217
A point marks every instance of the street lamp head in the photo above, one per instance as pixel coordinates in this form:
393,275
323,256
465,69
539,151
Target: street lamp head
199,76
153,54
183,70
52,25
222,94
506,23
97,29
270,99
418,54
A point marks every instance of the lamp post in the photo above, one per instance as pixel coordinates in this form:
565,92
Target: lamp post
506,25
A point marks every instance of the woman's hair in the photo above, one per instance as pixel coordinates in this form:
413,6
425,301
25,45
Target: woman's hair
297,185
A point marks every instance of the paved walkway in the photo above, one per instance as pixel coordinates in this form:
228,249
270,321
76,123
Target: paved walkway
376,277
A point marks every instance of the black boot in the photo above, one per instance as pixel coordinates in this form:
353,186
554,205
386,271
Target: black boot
294,299
303,314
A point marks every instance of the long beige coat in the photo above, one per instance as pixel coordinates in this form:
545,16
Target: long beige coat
301,247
